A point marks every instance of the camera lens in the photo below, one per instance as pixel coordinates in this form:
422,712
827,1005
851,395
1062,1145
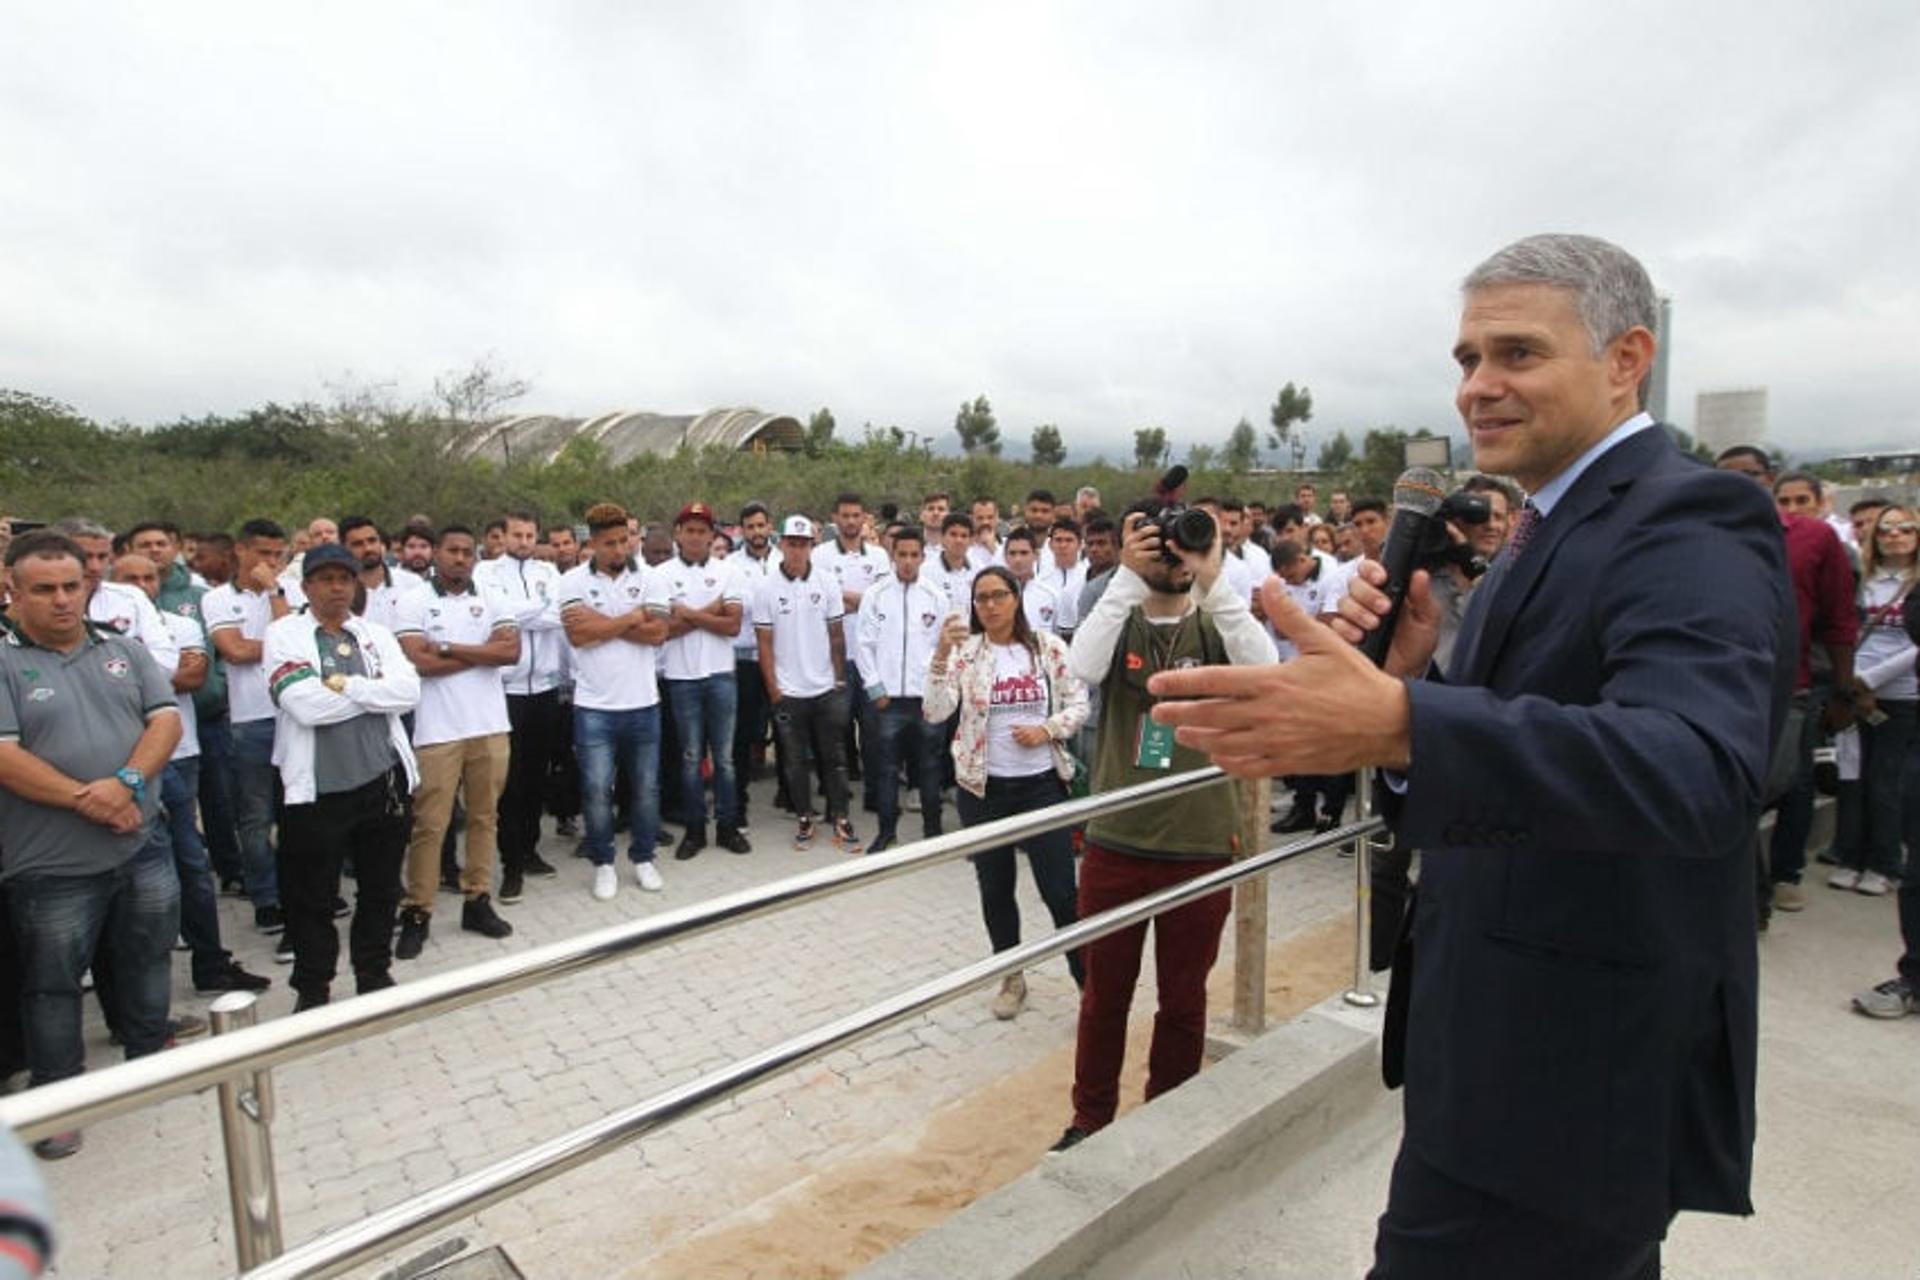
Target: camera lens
1192,530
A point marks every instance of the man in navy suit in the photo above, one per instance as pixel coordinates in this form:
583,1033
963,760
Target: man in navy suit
1574,999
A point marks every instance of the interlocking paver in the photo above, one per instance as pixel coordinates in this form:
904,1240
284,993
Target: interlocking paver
368,1124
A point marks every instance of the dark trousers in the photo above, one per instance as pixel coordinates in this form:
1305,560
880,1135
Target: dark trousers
371,823
902,735
216,798
1873,840
1438,1229
122,921
1793,818
1390,872
809,729
536,721
749,731
1050,854
13,1032
1186,942
1909,903
861,761
672,793
563,778
199,906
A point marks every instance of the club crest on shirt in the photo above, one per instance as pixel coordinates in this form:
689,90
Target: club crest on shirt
928,619
118,668
40,694
474,609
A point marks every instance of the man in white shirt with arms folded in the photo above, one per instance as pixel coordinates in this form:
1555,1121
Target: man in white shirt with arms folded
615,611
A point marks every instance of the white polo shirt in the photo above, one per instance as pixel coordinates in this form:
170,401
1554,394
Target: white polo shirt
799,611
466,704
855,571
248,612
699,654
752,574
126,611
954,585
1042,605
187,638
1067,585
384,601
618,674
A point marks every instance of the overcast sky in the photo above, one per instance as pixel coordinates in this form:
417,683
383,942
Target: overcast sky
1105,215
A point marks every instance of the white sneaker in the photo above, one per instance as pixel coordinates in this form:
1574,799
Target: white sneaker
606,882
1873,884
1844,878
649,876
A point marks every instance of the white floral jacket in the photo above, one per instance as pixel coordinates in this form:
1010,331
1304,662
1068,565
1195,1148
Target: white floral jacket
968,684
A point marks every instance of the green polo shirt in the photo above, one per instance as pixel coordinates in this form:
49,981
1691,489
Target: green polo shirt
81,712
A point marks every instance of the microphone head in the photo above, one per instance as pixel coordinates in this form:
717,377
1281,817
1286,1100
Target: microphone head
1419,490
1171,482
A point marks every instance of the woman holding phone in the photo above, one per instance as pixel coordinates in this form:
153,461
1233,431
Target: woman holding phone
1019,706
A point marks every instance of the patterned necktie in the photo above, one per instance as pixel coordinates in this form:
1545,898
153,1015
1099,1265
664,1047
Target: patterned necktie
1523,531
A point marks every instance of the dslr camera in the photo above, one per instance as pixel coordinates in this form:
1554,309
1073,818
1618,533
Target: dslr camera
1181,527
1439,551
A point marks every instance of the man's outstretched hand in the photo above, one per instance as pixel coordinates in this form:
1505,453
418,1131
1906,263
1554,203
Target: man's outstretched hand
1327,711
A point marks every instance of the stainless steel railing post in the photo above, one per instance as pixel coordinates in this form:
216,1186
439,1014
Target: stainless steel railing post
1361,993
246,1130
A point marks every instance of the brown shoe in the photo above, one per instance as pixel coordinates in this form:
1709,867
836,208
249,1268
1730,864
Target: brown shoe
1012,998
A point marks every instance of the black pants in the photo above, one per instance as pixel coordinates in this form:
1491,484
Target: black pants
1391,873
13,1031
1050,854
749,730
808,728
536,720
1438,1229
371,822
563,779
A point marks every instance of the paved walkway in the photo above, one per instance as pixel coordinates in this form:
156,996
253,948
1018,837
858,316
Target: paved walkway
362,1127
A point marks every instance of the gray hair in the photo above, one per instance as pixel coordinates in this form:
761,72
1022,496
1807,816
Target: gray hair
81,527
1611,291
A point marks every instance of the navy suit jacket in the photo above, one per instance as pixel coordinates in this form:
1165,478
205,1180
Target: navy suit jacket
1574,1007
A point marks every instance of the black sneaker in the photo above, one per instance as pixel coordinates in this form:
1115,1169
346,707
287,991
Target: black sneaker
368,983
1072,1138
450,880
283,951
232,978
340,908
312,1000
232,889
269,919
478,916
568,828
58,1146
733,842
511,885
1301,819
881,843
536,865
691,844
414,926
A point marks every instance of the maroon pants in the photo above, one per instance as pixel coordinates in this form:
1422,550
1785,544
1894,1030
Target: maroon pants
1186,941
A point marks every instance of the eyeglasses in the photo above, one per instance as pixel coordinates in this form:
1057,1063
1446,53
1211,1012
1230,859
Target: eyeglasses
1897,526
992,597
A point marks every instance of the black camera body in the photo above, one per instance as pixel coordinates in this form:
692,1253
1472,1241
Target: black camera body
1182,528
1439,551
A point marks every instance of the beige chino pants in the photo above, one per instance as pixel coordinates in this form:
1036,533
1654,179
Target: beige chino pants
479,767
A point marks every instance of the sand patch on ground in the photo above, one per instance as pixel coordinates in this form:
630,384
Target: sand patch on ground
843,1217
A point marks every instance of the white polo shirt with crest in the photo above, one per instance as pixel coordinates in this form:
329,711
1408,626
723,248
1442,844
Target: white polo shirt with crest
614,675
699,654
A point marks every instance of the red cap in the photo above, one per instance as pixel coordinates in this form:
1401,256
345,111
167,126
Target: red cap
696,511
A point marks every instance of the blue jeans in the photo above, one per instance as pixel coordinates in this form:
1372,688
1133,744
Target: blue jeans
703,711
254,782
900,733
58,921
199,911
216,798
630,742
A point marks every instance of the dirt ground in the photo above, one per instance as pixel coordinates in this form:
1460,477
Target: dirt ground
843,1217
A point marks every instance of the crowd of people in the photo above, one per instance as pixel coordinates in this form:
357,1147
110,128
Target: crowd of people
268,715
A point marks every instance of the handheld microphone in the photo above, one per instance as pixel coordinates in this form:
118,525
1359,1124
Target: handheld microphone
1417,496
1168,486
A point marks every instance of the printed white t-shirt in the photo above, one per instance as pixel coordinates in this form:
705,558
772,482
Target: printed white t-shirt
1019,698
799,611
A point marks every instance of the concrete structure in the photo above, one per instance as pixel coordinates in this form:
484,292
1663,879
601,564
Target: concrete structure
626,435
1722,419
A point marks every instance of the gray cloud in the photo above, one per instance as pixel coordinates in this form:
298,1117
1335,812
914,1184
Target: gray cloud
1101,215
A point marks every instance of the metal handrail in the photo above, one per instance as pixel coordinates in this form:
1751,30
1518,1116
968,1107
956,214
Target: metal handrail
87,1099
348,1246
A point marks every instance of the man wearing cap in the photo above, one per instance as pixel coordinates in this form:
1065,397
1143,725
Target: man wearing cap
458,639
340,685
796,618
615,612
87,721
705,598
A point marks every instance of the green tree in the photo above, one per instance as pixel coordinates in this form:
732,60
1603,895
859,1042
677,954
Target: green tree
819,436
1336,454
1049,450
1691,446
1149,447
1292,406
1383,455
978,429
1242,453
1201,457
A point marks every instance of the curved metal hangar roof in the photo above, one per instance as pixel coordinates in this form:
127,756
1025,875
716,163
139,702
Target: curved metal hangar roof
627,435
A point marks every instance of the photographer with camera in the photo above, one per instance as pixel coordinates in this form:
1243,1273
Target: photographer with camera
1167,606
